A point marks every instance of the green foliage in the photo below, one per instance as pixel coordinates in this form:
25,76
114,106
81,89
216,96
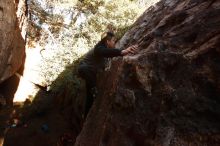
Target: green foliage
67,77
120,14
88,6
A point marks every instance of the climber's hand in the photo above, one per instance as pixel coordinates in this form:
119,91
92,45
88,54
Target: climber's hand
130,50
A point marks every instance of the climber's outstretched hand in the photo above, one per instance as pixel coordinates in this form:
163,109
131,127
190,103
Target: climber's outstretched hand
130,50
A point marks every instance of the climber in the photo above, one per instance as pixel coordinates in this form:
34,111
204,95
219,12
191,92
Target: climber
95,60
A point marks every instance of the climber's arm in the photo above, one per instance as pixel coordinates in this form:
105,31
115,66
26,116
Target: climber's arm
107,52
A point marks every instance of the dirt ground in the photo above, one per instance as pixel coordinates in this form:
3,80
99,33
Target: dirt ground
48,129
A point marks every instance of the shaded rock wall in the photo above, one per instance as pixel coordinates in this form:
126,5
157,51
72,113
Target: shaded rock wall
12,45
169,93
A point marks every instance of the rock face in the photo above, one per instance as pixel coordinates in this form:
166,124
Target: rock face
12,46
169,93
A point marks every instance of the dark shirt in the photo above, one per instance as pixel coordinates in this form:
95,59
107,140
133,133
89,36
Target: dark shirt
96,57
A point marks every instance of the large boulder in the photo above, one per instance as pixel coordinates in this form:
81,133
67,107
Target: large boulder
169,93
12,44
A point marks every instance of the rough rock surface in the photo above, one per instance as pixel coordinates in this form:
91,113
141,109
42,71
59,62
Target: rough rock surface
169,93
12,46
